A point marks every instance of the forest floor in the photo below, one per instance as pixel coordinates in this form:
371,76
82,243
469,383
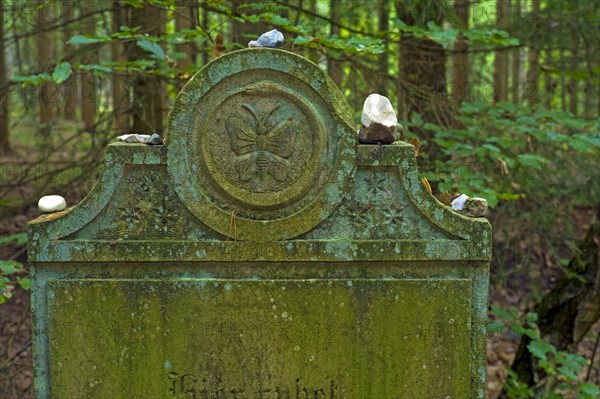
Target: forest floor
509,286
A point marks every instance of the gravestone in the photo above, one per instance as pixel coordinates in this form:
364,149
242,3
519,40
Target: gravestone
260,253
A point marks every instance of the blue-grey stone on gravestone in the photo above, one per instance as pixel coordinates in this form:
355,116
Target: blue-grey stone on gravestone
261,253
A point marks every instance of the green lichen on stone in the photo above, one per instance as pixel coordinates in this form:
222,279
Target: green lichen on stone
288,334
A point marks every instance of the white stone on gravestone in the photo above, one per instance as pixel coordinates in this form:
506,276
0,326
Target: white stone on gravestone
52,203
459,202
272,38
378,121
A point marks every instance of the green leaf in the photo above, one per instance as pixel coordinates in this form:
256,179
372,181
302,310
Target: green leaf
32,79
25,283
153,48
496,327
540,348
87,39
97,69
532,160
568,373
10,267
501,313
17,238
62,71
587,390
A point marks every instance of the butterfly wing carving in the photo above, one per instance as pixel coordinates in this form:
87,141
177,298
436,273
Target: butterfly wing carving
241,135
247,167
280,140
277,167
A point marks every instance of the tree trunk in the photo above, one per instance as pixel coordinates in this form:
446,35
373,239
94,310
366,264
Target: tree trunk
460,60
45,56
550,84
570,309
206,27
334,68
185,18
120,84
148,92
573,84
88,81
241,30
501,56
532,89
516,60
422,73
384,61
69,87
4,122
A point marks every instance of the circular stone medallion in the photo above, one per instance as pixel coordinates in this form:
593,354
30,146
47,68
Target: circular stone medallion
260,146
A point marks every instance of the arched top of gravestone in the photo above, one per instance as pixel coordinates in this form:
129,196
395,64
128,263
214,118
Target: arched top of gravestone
261,145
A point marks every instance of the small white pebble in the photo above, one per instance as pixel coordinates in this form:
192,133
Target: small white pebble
459,202
52,203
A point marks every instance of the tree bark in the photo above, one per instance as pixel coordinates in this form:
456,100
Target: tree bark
240,30
501,56
88,81
120,85
573,83
384,59
532,89
185,18
206,27
148,92
45,56
334,67
460,61
549,82
570,309
69,87
4,117
422,73
516,60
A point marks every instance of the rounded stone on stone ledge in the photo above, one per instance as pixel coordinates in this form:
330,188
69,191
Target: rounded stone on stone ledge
475,207
52,203
378,121
272,39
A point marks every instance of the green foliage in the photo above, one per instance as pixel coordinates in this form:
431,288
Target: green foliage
12,273
498,151
61,72
562,369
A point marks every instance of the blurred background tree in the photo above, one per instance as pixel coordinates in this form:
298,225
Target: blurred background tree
502,96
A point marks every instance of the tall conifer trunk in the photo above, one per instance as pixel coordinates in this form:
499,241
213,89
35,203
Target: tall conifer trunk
422,72
334,67
88,81
148,92
45,56
120,85
501,56
4,120
384,58
460,60
69,87
532,90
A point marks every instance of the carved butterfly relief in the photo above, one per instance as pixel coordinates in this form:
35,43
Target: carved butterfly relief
262,149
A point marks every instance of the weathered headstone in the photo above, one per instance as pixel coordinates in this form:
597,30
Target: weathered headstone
261,253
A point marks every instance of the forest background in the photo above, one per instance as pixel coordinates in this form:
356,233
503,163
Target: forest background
500,97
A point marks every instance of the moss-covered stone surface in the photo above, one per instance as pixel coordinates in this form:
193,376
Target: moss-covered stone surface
262,253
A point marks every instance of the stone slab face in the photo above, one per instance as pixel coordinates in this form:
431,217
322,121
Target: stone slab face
360,338
262,253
